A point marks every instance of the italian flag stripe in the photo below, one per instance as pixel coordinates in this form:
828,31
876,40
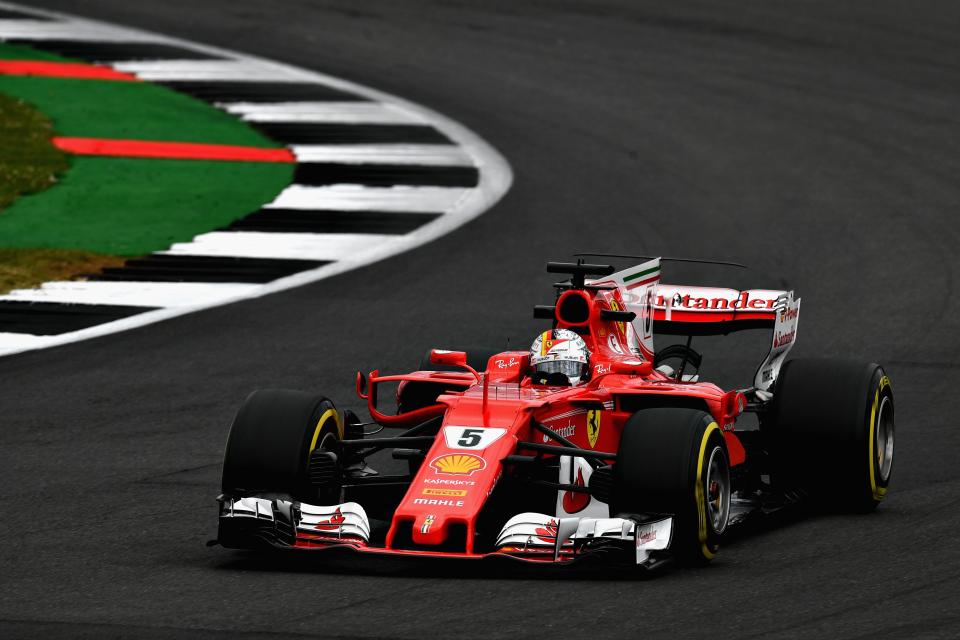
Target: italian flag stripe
634,285
640,274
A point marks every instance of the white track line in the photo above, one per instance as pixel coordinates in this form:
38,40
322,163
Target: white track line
422,154
72,30
134,294
347,197
335,112
16,342
218,70
458,205
303,246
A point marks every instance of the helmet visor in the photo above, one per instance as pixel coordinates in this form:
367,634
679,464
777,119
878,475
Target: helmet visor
573,370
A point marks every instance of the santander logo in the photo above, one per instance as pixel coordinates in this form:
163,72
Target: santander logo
784,338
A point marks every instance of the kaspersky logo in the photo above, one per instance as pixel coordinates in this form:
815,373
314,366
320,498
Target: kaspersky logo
458,464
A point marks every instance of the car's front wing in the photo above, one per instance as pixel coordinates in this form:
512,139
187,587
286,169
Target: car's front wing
251,522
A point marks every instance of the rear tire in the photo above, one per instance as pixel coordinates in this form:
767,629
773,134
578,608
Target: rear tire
270,442
674,461
830,431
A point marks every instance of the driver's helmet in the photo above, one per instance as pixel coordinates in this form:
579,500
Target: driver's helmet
560,351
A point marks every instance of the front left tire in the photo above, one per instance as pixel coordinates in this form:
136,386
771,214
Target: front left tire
675,461
271,440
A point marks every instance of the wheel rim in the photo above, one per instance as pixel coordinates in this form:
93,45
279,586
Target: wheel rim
718,490
325,442
884,439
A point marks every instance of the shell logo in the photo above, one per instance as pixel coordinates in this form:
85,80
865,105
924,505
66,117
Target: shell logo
458,464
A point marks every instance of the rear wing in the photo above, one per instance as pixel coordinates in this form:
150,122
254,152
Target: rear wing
704,311
699,311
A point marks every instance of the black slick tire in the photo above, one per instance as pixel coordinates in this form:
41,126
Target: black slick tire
830,432
270,442
674,461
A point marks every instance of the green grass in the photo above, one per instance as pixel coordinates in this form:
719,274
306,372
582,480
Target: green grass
129,110
20,52
122,206
132,206
28,162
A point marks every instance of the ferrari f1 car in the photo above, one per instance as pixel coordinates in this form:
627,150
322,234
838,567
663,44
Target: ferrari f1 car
594,444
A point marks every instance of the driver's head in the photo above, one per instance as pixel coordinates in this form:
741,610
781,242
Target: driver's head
557,352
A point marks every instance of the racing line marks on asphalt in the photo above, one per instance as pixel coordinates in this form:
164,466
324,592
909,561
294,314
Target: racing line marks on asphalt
375,175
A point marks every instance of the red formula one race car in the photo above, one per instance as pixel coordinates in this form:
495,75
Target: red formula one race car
589,445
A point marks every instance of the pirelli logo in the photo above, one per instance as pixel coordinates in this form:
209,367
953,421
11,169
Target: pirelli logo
430,491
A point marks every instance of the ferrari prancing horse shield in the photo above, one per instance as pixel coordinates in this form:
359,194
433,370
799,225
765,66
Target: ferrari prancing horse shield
593,426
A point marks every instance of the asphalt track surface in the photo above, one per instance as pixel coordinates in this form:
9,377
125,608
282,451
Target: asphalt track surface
816,141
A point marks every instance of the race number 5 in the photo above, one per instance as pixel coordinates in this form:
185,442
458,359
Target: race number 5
471,437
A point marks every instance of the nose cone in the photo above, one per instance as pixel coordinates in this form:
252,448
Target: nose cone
452,486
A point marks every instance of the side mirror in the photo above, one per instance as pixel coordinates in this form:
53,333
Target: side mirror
632,367
361,385
449,358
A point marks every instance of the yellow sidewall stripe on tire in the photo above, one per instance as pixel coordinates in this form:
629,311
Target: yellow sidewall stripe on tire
329,413
701,499
878,491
